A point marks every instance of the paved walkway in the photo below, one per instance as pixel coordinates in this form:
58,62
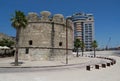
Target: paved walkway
75,74
83,61
53,71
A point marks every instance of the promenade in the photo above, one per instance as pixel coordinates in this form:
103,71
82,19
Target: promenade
9,62
59,71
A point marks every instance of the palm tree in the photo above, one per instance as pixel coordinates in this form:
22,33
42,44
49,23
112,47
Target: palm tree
82,47
18,21
77,44
94,45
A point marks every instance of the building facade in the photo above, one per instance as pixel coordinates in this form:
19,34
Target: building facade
84,28
44,38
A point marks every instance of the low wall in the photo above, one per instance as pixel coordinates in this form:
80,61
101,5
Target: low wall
105,53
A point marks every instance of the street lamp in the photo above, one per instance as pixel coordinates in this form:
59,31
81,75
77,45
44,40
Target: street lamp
66,40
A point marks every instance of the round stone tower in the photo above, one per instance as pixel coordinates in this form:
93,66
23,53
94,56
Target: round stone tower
44,38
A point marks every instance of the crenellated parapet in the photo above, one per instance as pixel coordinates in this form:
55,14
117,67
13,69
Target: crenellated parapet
45,16
69,24
58,18
33,17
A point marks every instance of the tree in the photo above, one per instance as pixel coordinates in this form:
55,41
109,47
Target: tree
82,46
77,44
94,45
6,42
18,21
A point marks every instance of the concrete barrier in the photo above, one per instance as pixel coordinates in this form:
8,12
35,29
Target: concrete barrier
103,65
96,66
114,61
88,67
111,63
108,64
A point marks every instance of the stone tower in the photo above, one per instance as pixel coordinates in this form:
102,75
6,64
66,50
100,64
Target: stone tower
44,37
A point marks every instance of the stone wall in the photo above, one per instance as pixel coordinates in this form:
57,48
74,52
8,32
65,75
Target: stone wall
47,35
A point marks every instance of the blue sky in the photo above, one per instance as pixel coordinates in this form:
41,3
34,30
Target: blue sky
106,14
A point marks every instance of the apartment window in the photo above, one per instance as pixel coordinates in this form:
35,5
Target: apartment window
90,28
30,42
60,43
78,33
86,25
90,19
90,25
26,50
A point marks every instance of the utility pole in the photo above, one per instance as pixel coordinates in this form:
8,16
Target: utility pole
108,43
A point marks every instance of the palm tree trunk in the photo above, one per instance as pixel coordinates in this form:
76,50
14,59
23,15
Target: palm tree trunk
16,56
77,53
82,51
94,53
16,52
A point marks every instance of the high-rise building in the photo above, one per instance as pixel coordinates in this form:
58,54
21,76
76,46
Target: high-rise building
84,28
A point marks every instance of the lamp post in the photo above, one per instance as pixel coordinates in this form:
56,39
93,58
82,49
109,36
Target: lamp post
66,40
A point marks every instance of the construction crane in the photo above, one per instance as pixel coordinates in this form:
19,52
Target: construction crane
108,43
